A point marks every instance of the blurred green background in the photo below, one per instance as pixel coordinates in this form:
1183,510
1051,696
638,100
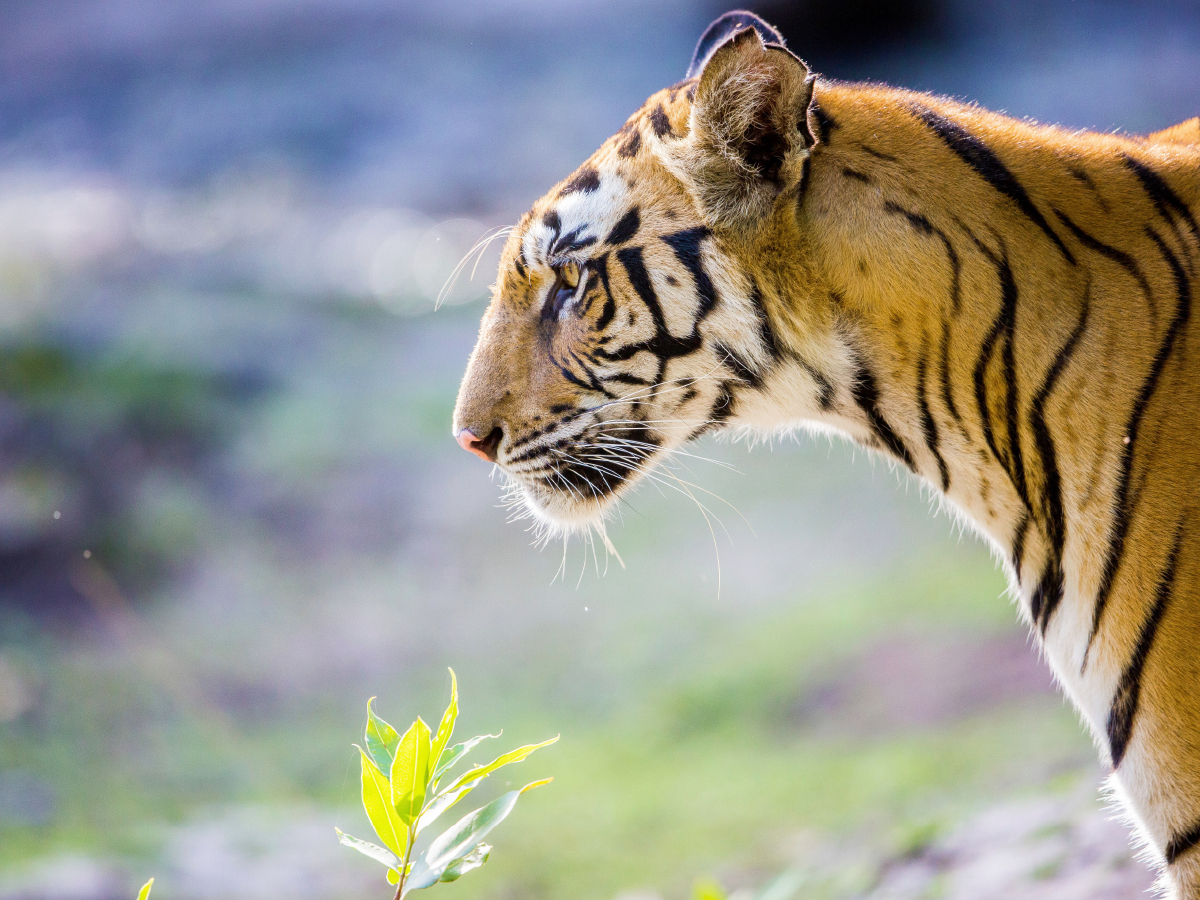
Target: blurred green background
231,510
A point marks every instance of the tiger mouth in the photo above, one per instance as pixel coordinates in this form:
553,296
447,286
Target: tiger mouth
576,478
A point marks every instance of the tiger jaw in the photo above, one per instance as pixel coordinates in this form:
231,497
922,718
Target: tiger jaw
570,482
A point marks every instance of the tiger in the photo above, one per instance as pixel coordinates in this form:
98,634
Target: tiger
1001,307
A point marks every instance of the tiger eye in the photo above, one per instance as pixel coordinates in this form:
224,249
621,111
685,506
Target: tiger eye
569,273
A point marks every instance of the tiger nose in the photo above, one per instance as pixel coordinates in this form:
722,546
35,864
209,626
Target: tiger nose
484,448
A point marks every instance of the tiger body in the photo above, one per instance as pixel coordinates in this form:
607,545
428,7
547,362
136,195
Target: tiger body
1004,308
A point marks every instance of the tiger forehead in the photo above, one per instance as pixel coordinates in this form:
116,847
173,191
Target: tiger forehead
584,210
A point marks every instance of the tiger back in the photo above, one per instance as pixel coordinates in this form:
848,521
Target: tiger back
1004,308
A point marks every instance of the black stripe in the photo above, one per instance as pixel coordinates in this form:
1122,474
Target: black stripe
924,226
1002,327
1125,700
1016,455
955,273
1047,594
632,141
1018,545
856,175
722,407
660,123
664,345
571,241
824,122
585,181
554,223
824,385
589,293
741,367
589,380
1166,201
589,384
916,220
1182,843
766,334
947,393
626,378
1123,508
1124,260
625,229
976,154
1049,591
686,245
877,154
866,395
635,269
928,425
610,306
778,351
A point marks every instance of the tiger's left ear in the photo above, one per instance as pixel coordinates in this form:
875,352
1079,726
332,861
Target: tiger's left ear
748,134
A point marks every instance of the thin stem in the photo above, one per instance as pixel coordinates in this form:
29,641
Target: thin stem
412,839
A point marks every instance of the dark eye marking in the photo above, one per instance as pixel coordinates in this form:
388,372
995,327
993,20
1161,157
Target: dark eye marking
554,223
570,242
625,229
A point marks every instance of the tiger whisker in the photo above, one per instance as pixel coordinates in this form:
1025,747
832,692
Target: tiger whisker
477,250
671,451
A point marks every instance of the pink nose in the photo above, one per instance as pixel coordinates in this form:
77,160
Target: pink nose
485,448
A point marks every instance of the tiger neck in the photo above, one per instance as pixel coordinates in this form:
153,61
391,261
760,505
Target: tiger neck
921,309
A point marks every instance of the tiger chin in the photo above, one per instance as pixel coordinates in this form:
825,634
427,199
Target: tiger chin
1003,308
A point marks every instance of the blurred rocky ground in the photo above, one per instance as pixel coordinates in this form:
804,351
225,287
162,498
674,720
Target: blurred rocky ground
1060,846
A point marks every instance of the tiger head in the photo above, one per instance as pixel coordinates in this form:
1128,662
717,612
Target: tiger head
622,323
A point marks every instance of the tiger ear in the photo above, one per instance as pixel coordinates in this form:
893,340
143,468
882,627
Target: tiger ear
748,135
721,29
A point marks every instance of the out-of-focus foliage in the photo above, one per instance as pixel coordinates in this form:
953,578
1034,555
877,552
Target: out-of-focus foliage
84,439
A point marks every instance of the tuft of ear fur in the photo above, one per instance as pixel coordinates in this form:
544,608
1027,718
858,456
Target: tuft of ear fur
722,29
748,137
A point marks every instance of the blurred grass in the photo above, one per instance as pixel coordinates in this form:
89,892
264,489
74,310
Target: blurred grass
702,765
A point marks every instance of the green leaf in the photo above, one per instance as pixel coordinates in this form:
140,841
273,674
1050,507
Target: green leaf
377,801
366,848
457,752
707,890
511,756
457,842
381,739
446,728
465,864
410,772
443,802
145,891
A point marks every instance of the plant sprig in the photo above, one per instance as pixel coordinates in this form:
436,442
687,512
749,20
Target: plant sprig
406,786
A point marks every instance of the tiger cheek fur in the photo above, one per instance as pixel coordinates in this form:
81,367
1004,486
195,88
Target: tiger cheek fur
1002,308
